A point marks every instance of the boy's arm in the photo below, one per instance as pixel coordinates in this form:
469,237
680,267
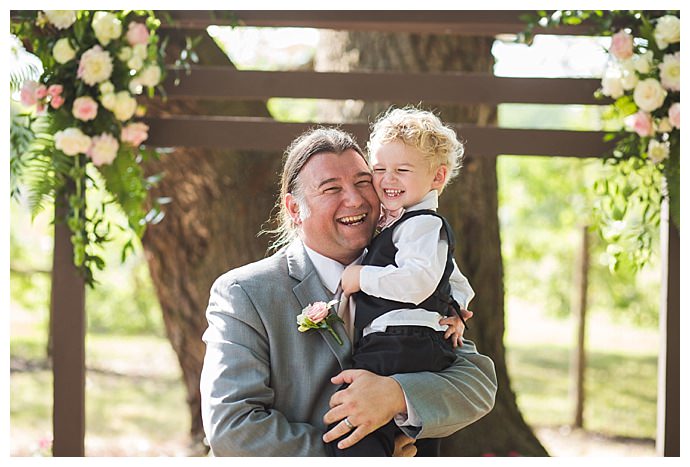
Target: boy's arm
421,259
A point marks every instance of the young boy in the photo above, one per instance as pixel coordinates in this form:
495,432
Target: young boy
402,289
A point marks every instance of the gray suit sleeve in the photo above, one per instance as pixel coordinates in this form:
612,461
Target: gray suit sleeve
454,398
236,396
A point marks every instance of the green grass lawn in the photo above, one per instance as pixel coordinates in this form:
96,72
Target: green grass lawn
135,400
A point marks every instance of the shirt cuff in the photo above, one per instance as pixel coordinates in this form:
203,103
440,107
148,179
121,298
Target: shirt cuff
411,419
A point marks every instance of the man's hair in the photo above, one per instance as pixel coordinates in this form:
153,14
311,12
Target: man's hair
423,131
312,142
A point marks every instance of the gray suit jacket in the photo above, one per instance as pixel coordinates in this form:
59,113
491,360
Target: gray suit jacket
265,386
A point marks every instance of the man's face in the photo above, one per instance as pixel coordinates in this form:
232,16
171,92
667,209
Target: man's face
342,204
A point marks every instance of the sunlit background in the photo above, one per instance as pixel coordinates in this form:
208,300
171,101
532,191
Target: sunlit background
543,205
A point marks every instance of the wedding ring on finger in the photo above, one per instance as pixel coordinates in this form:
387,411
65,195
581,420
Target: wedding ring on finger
348,423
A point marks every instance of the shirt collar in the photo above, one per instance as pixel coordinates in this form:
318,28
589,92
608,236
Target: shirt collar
329,270
430,201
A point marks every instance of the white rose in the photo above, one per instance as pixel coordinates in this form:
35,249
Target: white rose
667,31
106,26
664,125
669,71
151,75
125,53
72,141
95,66
103,149
108,100
62,19
125,106
611,84
135,63
106,87
649,95
63,51
657,151
629,78
135,86
139,50
643,62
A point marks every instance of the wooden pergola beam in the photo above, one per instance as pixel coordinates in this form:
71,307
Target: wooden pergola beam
459,22
218,82
262,134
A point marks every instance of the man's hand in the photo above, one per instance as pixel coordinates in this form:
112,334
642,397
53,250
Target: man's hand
404,446
368,403
349,281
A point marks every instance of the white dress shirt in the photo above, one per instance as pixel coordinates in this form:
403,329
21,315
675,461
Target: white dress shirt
421,260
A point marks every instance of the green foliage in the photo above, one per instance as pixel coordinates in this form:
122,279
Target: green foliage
543,204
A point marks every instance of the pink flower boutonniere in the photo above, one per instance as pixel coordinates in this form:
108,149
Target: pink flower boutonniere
318,316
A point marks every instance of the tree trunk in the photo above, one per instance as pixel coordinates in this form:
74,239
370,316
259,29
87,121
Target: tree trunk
220,201
470,203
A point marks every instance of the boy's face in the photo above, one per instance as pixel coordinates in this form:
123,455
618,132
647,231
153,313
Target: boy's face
402,177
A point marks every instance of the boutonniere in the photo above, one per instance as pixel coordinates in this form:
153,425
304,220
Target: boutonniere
318,316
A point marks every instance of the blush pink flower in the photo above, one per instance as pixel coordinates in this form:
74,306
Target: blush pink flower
135,133
317,311
674,114
103,150
41,91
621,45
137,33
641,123
57,101
55,90
84,108
28,93
317,316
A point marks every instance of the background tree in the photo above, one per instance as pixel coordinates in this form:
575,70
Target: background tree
219,202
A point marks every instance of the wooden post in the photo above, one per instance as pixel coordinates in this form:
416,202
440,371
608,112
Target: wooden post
68,333
668,396
579,310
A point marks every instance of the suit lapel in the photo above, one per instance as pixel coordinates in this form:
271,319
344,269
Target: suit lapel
310,290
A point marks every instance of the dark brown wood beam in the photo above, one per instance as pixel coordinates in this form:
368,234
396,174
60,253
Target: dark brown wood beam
262,134
68,330
460,88
460,22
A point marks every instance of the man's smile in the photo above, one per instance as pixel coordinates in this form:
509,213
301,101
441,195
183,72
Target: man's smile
352,220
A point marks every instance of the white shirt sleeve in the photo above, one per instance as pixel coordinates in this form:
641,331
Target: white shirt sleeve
421,259
460,287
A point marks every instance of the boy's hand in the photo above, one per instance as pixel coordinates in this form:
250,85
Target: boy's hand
349,281
456,328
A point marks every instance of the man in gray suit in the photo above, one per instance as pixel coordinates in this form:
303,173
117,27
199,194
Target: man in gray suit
268,389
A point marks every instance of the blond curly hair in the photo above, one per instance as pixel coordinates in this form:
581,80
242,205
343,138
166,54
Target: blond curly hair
425,132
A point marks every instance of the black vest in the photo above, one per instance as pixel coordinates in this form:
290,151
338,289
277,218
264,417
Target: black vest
382,253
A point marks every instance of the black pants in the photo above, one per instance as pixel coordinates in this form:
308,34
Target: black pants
401,349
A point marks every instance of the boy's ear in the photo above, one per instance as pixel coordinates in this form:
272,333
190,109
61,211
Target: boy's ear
440,177
293,208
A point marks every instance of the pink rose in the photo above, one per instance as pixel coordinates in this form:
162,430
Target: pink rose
641,123
317,312
621,45
137,34
41,91
54,90
674,114
28,93
57,101
135,133
84,108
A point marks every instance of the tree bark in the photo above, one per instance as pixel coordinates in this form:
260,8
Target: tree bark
470,203
220,201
